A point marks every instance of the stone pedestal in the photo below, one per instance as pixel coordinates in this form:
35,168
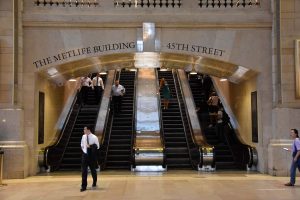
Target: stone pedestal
16,157
279,160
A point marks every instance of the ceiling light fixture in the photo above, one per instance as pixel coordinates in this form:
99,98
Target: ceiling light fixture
193,72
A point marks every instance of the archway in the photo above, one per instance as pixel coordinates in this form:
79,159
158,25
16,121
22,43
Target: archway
63,72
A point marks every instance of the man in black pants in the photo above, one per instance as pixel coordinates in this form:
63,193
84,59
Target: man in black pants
89,146
98,87
118,92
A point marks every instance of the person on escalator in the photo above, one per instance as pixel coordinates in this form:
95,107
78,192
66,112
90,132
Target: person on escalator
296,157
213,107
164,87
98,87
86,83
118,92
220,125
89,147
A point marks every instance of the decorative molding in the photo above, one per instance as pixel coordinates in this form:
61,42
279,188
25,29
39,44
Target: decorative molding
47,24
12,144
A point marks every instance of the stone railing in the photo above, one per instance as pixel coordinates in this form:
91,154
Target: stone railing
69,3
227,3
150,3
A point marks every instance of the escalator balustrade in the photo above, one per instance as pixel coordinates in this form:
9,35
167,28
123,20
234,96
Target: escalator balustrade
225,152
119,139
176,148
70,150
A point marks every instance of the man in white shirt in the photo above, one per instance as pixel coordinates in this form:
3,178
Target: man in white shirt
89,147
118,92
85,82
98,87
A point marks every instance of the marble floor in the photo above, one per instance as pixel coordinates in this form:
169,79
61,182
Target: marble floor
171,185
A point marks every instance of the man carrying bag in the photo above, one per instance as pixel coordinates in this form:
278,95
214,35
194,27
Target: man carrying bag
89,146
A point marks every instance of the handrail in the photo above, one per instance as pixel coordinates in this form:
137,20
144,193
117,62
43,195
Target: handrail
107,131
46,154
188,118
162,134
207,151
198,146
243,153
133,134
181,113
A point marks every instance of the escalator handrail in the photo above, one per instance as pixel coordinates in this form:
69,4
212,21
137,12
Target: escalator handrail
58,141
107,129
184,128
133,133
162,137
242,147
200,145
188,118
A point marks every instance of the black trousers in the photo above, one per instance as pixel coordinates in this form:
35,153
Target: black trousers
117,101
85,163
84,94
98,93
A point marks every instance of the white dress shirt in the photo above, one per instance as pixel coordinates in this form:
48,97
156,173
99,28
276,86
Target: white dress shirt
100,82
85,81
93,139
118,90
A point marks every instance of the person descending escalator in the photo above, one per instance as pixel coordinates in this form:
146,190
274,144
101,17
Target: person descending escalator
98,87
213,106
118,92
85,83
163,85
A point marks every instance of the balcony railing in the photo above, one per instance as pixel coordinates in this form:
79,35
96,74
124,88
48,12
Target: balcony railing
68,3
150,3
228,3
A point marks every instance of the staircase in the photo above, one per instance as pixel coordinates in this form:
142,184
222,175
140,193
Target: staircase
176,148
121,135
87,116
224,158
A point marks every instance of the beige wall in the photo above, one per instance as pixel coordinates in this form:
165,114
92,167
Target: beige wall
54,100
6,52
237,99
240,101
290,31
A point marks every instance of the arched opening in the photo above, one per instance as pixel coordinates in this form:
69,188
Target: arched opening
63,72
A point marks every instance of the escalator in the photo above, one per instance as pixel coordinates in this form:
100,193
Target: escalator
230,153
65,154
176,147
120,128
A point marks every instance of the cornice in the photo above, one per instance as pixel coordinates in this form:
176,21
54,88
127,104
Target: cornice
51,24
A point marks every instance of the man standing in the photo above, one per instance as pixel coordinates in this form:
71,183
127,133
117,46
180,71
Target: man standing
98,87
85,82
118,92
295,156
89,146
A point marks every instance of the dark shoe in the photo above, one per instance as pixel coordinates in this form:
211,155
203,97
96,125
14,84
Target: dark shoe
94,185
82,189
289,184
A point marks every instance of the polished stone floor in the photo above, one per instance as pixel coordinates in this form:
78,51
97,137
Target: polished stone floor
171,185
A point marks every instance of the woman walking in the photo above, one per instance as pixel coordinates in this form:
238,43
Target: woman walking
163,85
